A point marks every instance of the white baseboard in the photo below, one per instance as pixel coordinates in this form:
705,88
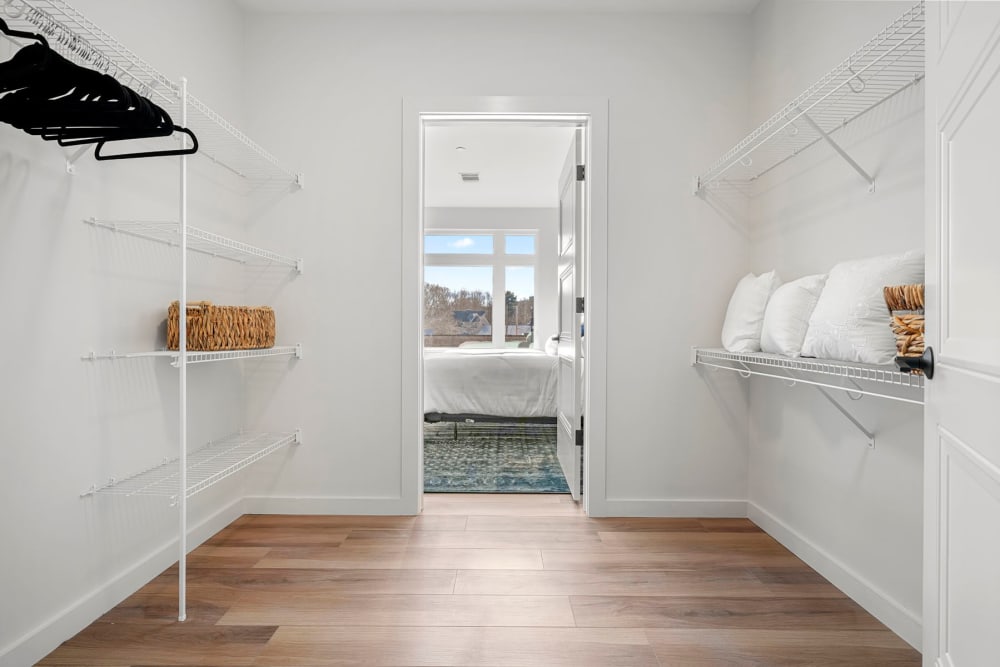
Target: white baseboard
728,509
877,602
327,505
41,641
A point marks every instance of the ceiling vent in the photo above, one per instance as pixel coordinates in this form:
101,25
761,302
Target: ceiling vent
469,176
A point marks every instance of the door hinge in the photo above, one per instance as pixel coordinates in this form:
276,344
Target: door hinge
581,172
579,305
579,437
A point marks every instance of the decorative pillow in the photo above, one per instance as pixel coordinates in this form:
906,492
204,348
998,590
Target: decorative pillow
787,316
851,320
745,314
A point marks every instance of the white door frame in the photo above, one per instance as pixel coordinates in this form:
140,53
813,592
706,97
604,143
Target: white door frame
417,113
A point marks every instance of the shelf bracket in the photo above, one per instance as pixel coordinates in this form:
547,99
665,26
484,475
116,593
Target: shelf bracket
298,350
869,436
72,159
840,151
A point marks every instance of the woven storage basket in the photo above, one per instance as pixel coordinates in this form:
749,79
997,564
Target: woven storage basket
211,328
906,305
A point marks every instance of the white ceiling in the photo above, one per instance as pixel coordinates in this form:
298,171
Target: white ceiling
518,166
504,6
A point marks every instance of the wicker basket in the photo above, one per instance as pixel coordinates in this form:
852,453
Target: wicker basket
211,328
906,305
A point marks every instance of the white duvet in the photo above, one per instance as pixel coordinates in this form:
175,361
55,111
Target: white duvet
499,382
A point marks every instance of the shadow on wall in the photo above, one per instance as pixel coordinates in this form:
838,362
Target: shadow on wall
818,184
724,387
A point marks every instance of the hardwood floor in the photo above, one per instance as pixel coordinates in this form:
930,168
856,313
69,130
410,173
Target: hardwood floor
489,581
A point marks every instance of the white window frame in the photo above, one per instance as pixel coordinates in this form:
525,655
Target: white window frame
498,260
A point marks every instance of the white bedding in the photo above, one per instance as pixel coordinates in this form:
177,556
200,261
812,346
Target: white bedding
513,382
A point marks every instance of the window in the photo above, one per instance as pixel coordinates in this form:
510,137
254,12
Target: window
442,244
463,272
517,244
458,305
519,291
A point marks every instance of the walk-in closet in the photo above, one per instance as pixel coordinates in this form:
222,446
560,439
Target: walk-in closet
430,332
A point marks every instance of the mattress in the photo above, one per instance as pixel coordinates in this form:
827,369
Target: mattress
510,382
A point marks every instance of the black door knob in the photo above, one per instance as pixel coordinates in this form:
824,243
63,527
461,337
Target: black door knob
924,363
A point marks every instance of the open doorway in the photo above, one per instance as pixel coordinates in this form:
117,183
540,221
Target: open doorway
581,446
500,205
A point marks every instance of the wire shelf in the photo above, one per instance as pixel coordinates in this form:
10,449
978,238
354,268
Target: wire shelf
232,355
759,363
205,467
80,40
197,357
889,63
199,241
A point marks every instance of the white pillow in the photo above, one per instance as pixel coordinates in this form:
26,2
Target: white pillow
787,316
745,314
851,320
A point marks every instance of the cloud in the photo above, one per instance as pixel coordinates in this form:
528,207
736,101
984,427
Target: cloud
462,243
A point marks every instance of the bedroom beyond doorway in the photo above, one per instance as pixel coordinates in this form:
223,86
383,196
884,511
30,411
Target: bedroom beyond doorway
492,326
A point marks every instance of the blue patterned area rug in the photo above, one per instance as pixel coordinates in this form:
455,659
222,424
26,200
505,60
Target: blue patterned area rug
492,458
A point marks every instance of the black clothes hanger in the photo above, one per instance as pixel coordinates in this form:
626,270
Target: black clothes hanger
190,150
45,94
5,29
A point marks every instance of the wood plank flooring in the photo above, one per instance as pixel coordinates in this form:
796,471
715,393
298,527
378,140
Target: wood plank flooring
489,581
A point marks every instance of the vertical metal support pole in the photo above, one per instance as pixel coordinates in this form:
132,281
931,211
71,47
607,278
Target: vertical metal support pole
182,365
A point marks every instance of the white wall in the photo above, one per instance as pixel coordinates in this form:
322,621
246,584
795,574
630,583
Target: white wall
854,513
68,289
328,92
545,221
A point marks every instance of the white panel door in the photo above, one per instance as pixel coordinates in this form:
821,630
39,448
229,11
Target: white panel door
962,439
570,403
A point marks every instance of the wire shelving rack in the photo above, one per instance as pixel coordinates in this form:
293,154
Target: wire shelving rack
769,365
197,357
74,36
200,241
857,380
80,40
888,64
207,466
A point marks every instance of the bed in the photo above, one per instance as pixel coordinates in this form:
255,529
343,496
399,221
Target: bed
489,384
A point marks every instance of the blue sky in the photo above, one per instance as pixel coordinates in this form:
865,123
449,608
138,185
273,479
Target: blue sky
516,244
520,279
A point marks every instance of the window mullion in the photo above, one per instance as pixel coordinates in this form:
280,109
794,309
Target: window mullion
499,292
